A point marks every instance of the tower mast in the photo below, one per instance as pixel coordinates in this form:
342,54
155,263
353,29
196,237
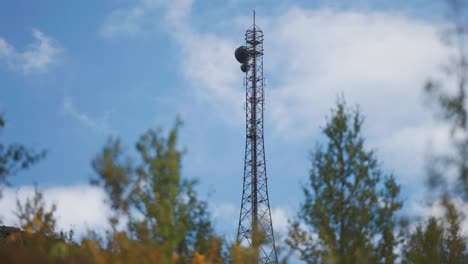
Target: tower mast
255,222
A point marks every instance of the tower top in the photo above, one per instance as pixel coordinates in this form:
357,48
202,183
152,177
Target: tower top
254,16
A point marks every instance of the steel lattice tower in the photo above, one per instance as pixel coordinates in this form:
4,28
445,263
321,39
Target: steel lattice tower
255,226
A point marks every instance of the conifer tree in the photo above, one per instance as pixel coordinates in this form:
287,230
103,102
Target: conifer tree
425,245
348,215
439,240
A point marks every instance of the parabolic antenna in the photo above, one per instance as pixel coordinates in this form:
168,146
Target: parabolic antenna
242,54
244,67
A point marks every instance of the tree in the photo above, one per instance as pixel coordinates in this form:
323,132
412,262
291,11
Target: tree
439,241
165,221
450,100
34,217
425,245
15,157
454,241
162,208
348,215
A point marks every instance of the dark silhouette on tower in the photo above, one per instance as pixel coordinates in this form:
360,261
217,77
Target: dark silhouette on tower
255,226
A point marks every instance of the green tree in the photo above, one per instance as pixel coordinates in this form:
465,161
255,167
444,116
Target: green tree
162,208
348,215
425,245
15,157
38,240
439,241
166,222
454,240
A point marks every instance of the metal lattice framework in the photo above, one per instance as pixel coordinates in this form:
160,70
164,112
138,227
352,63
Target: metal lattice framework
255,225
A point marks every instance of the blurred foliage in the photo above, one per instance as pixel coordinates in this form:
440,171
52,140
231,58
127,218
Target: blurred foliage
438,241
348,215
160,207
15,157
34,217
41,243
449,97
163,221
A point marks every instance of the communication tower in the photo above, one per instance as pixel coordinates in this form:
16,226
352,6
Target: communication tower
255,226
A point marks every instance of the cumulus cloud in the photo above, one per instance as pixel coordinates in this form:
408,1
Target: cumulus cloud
378,60
100,125
421,209
79,207
37,57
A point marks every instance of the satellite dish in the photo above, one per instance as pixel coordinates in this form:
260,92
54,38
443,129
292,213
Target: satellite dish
242,54
245,67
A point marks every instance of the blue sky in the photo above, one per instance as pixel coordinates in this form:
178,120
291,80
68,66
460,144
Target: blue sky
72,73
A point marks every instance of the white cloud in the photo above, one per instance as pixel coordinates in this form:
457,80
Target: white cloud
225,215
5,49
280,218
215,79
141,18
78,207
378,60
206,59
123,23
226,219
405,148
422,210
100,125
37,57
